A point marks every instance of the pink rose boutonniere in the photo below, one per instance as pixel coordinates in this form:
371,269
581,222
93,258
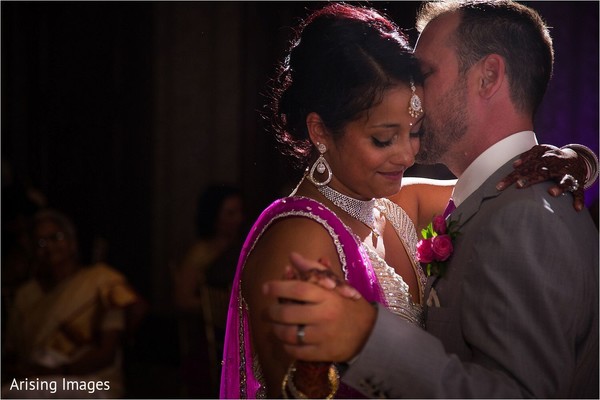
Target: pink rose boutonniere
436,247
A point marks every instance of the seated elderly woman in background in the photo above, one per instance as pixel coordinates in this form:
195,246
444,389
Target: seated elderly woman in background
66,324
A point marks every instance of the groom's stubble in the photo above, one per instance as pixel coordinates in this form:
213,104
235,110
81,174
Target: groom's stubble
444,125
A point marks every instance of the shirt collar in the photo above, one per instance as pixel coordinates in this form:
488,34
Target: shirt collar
489,161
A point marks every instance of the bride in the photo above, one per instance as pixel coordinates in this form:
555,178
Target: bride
349,108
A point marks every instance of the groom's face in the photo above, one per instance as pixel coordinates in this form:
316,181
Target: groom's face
445,101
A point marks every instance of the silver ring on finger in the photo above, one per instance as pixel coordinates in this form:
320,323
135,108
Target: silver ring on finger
574,183
522,182
300,334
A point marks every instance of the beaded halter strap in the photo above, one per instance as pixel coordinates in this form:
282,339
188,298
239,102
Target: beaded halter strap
361,210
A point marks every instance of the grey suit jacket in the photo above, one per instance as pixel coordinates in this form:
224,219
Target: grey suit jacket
518,313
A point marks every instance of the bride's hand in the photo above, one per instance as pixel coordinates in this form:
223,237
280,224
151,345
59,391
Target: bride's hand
319,273
545,162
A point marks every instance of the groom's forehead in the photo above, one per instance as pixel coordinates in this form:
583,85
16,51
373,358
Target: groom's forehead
439,31
436,40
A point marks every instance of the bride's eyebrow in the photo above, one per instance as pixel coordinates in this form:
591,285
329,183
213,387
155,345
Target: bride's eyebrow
385,125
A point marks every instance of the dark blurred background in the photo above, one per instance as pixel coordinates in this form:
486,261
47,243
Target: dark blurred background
119,113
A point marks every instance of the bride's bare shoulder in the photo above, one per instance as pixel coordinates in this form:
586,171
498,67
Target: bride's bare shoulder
421,198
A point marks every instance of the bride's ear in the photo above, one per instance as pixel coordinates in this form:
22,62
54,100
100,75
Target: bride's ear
316,129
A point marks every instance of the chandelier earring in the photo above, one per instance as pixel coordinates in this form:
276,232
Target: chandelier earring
321,166
415,107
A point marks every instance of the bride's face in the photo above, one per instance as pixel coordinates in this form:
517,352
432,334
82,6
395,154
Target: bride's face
370,158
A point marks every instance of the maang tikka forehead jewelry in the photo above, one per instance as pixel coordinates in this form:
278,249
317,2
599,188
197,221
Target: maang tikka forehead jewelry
415,107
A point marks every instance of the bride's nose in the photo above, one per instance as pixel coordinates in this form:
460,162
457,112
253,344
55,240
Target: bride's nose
405,152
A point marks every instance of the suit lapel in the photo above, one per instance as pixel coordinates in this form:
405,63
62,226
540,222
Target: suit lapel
465,211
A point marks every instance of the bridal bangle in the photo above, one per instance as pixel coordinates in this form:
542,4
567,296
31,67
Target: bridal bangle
591,162
290,391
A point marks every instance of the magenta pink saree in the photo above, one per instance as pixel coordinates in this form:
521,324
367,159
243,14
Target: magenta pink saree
238,378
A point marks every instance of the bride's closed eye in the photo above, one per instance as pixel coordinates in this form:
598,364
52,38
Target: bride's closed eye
380,143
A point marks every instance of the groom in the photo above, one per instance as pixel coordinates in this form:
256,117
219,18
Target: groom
516,313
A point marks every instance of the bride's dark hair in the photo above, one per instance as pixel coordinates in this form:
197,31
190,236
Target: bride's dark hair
339,63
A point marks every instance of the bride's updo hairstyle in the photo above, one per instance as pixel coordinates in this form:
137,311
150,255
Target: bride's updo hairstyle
339,64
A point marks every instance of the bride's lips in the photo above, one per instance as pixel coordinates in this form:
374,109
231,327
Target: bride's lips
393,176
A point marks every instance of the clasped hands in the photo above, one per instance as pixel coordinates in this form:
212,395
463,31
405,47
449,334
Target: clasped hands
337,320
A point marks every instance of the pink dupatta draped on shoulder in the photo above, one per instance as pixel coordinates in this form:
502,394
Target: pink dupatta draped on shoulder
238,378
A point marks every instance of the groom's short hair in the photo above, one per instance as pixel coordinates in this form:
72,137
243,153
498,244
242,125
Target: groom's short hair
509,29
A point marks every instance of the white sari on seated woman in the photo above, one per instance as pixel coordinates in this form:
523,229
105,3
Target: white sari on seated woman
54,328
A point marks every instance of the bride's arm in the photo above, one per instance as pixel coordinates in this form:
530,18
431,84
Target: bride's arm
422,198
267,262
